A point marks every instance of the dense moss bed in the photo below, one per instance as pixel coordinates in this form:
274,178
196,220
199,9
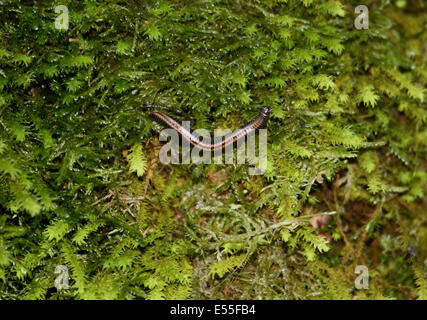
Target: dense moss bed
87,210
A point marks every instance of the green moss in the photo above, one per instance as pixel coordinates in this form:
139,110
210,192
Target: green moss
82,185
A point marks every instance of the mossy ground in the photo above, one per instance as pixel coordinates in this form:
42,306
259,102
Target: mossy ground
82,185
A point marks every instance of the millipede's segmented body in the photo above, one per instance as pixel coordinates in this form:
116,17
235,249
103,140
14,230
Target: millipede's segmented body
218,142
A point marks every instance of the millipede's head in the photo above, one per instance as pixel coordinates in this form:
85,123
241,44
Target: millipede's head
266,111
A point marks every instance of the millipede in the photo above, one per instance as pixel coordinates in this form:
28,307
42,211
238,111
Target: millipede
218,142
